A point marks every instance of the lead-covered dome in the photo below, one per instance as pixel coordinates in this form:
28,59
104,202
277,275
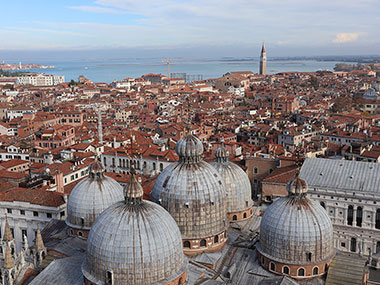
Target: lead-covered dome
297,233
193,192
89,198
238,187
134,242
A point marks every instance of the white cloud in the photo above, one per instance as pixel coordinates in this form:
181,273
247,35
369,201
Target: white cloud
346,37
97,9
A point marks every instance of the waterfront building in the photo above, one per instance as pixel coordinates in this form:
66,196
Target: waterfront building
41,79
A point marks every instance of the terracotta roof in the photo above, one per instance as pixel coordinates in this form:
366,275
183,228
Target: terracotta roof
33,196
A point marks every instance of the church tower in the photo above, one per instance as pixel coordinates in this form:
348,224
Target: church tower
263,61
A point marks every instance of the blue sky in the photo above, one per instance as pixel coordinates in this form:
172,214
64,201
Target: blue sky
205,27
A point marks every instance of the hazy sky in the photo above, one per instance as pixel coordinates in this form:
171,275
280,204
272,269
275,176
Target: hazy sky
193,27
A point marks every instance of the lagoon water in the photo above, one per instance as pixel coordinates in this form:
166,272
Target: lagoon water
108,70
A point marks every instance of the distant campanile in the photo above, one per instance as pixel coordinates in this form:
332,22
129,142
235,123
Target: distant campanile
263,61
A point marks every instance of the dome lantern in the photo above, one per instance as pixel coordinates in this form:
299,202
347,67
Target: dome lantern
133,191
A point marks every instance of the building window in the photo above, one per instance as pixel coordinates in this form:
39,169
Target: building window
245,215
272,266
301,272
216,239
323,204
24,232
9,211
315,270
353,244
35,213
359,216
186,244
343,244
350,215
109,278
62,214
377,223
234,217
203,242
255,170
285,270
22,212
48,215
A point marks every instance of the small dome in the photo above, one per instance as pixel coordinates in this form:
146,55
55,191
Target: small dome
92,196
189,148
370,94
136,241
237,184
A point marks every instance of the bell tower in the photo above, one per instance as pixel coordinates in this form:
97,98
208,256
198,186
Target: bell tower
263,61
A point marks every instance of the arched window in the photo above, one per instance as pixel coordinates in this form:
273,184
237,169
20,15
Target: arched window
353,244
350,215
377,223
186,244
245,215
255,170
301,272
315,270
359,216
109,279
80,233
216,239
203,242
272,266
234,217
285,270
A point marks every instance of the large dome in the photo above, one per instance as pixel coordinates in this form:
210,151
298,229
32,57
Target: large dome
134,242
194,194
238,187
90,198
296,232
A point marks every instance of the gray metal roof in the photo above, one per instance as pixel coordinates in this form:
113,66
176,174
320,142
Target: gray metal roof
61,272
341,175
346,269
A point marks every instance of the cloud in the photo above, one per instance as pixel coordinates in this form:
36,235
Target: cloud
97,9
346,37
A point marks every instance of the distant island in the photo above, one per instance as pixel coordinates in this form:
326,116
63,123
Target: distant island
357,66
19,66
